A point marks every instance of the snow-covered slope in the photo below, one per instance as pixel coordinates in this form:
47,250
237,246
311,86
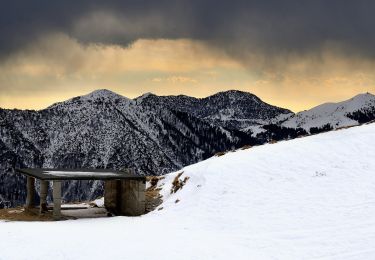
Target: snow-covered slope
346,113
308,198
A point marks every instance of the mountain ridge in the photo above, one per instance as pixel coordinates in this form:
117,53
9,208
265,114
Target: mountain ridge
232,109
104,130
334,114
152,134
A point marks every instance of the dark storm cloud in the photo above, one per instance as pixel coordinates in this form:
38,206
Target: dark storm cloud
265,26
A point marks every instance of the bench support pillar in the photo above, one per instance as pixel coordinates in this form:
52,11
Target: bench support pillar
57,200
30,198
125,197
43,196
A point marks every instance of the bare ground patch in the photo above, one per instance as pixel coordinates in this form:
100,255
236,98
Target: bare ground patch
179,183
153,196
20,214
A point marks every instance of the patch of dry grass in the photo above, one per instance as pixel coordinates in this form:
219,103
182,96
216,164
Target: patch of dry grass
20,214
246,147
344,127
177,183
220,154
153,196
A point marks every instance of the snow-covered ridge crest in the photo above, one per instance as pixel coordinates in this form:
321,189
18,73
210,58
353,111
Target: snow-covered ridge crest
355,103
335,114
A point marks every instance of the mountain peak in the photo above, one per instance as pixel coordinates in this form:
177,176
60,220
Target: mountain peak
363,96
236,96
102,93
233,92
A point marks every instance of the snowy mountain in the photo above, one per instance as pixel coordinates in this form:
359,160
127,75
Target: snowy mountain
357,110
104,130
231,109
354,111
152,134
308,198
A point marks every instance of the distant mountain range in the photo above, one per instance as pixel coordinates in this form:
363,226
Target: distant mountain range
152,134
232,109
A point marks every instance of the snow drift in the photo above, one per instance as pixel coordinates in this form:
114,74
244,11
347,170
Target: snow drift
307,198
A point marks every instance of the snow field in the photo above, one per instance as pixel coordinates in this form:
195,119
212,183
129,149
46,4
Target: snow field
308,198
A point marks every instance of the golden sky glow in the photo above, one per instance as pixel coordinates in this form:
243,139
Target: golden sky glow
57,67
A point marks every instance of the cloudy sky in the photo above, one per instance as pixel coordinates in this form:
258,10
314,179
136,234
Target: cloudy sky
294,54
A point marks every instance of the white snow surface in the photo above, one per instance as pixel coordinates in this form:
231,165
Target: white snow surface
331,113
308,198
99,202
256,129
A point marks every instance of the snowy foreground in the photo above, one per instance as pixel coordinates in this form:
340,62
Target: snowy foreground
309,198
